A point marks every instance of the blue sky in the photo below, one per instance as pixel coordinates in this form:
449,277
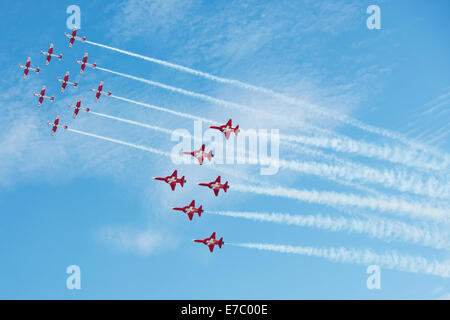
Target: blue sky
72,199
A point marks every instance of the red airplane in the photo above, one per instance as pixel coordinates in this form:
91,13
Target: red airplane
172,180
190,210
84,63
50,54
42,96
77,108
27,68
65,82
100,91
200,154
227,129
211,241
74,37
216,186
55,125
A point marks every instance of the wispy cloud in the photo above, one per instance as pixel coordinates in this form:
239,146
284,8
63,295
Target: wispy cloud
141,241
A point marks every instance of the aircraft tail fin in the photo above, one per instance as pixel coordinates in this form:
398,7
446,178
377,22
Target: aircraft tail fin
200,210
236,130
220,243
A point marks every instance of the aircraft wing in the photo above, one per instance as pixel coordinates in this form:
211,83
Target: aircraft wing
172,185
216,192
227,134
190,215
211,247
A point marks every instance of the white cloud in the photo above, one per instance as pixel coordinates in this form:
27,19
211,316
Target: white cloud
139,241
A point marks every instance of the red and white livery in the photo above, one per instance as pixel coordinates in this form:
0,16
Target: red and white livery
65,82
78,107
190,210
73,37
172,180
50,54
26,68
84,63
216,186
200,154
227,129
42,96
99,91
55,125
211,242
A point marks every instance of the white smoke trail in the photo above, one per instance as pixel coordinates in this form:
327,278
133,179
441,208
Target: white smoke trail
325,112
144,125
384,204
140,124
383,229
328,198
341,144
182,91
210,99
390,179
410,158
390,259
133,145
176,113
160,152
401,181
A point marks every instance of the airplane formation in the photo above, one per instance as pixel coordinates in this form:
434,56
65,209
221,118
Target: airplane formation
201,155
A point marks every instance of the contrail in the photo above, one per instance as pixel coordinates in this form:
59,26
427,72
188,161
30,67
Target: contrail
383,229
396,155
390,259
325,112
201,96
328,198
384,204
401,181
156,151
176,113
133,145
210,99
140,124
363,174
342,144
144,125
170,132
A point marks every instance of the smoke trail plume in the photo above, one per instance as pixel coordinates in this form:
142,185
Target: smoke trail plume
383,229
381,203
391,259
314,108
176,113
